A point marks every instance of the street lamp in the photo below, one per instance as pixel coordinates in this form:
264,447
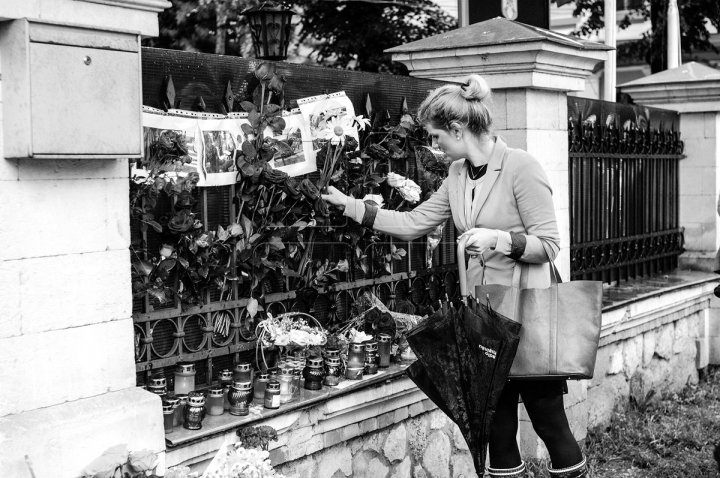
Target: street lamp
270,28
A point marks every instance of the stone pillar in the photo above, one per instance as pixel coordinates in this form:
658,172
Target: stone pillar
693,90
67,364
530,71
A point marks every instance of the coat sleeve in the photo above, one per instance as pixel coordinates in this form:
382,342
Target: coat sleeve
409,225
537,211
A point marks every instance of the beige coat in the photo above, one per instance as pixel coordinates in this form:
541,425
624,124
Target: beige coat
515,197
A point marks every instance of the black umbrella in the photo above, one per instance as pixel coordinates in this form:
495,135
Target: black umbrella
465,352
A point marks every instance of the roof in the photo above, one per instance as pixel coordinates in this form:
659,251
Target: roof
496,31
692,71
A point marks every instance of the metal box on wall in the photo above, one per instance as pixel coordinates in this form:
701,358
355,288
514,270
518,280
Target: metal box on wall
69,91
530,12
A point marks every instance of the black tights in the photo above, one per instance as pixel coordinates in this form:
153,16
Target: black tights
544,404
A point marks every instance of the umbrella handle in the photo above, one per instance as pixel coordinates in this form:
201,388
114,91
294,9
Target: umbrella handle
462,268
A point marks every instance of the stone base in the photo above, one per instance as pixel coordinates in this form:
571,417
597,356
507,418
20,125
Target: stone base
61,440
698,261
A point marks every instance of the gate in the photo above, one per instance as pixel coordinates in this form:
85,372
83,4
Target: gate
624,199
170,333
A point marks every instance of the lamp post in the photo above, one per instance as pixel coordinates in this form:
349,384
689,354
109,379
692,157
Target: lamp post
270,27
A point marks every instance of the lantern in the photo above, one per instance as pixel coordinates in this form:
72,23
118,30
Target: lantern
270,28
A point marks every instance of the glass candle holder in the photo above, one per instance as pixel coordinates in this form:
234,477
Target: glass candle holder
261,380
272,395
370,363
356,356
384,347
184,378
313,373
332,371
225,380
286,383
242,373
215,402
194,412
241,395
158,386
297,377
180,409
168,417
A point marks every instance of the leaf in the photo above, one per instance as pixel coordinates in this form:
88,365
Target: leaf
248,106
204,271
401,252
277,124
254,119
300,225
247,225
167,265
249,150
272,110
156,226
222,234
246,128
183,262
254,238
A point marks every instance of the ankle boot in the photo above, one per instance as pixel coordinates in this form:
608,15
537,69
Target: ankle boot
517,472
576,471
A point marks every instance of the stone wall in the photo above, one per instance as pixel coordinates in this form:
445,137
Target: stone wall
427,445
66,334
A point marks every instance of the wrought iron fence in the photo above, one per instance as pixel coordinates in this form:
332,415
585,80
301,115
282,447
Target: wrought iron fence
624,199
167,333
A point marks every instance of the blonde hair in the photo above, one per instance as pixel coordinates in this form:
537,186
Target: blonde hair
465,104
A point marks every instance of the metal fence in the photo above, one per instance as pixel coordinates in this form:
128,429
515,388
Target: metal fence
167,333
624,199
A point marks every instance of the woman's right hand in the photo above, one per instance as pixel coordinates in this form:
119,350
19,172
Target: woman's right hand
335,197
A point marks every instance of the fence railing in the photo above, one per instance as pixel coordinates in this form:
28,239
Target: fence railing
168,333
624,190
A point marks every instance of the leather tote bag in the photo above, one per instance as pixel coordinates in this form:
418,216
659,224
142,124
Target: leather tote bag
560,325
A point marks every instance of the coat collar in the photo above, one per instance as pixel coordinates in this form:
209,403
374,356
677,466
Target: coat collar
497,158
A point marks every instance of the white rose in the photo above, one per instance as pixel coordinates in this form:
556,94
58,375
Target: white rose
395,180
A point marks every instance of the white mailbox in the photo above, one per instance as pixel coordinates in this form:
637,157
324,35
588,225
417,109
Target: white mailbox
69,91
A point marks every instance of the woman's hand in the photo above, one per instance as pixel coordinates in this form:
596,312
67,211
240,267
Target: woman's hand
335,197
479,239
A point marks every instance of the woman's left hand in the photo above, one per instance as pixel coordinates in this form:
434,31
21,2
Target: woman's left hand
479,239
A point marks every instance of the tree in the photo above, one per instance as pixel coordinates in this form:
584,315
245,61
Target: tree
353,34
652,46
208,26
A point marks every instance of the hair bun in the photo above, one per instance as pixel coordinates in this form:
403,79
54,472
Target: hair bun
476,88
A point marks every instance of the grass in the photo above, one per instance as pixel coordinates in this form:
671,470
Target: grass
667,437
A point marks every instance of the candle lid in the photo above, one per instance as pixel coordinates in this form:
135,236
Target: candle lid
225,375
334,361
273,386
263,377
168,407
196,399
185,367
172,400
242,367
314,362
384,338
371,346
182,397
286,370
216,391
355,347
332,352
242,385
158,382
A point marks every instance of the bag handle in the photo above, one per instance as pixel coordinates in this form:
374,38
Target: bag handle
462,268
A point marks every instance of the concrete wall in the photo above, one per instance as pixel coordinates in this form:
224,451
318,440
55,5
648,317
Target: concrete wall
66,333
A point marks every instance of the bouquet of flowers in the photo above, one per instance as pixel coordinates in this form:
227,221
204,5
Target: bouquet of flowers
290,330
239,462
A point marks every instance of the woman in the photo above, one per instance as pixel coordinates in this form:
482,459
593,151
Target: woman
501,201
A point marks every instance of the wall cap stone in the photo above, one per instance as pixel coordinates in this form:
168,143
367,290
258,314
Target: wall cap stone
689,88
508,54
156,6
